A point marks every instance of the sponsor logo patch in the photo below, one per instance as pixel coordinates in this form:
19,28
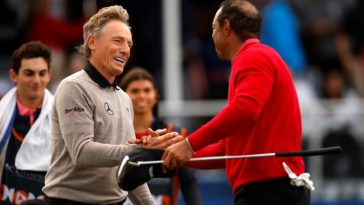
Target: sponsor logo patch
74,109
108,108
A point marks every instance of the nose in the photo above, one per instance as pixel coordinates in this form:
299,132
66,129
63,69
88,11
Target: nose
124,46
36,78
141,95
125,49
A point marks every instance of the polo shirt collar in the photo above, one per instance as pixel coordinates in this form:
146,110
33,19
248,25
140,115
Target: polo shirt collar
245,45
96,76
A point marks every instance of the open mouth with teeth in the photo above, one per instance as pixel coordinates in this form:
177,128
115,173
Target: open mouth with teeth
120,60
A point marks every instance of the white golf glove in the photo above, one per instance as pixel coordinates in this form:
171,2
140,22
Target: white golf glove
301,180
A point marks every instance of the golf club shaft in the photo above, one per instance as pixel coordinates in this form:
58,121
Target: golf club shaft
315,152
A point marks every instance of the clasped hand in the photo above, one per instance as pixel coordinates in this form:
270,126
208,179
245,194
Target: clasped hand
177,150
157,139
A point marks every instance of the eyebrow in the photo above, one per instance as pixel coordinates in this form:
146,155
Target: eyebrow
32,70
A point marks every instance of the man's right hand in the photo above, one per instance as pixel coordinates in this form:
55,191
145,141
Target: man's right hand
175,155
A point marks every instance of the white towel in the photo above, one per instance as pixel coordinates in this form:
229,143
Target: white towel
35,152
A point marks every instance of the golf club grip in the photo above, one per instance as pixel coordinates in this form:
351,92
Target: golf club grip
323,151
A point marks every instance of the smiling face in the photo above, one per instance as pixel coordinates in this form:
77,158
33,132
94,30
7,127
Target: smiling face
31,80
110,49
143,95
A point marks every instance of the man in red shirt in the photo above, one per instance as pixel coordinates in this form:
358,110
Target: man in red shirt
262,115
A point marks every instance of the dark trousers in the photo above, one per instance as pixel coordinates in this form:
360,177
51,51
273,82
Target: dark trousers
272,192
58,201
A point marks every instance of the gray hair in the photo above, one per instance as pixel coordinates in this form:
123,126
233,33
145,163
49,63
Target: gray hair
95,24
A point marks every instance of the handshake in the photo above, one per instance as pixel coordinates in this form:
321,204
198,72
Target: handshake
158,139
130,175
170,147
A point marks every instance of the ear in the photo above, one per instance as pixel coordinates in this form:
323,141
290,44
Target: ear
13,75
226,27
91,41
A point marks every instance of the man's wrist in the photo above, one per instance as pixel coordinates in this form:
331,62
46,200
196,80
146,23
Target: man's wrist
189,145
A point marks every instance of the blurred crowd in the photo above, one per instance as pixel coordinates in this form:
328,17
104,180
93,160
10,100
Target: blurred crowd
322,41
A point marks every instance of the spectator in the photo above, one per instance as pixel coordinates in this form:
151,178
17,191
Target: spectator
341,127
350,46
139,84
289,45
25,125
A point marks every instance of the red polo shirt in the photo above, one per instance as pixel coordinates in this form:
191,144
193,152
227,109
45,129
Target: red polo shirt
262,115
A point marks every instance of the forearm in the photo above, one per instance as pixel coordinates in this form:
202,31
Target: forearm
141,196
102,155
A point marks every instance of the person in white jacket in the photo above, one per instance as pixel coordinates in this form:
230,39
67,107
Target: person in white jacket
25,125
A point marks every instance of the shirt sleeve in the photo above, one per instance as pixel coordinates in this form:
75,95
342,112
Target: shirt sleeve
217,149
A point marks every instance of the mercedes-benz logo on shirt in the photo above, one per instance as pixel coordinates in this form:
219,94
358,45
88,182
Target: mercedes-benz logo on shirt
108,108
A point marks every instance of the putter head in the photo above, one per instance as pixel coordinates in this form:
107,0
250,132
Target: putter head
130,174
122,169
